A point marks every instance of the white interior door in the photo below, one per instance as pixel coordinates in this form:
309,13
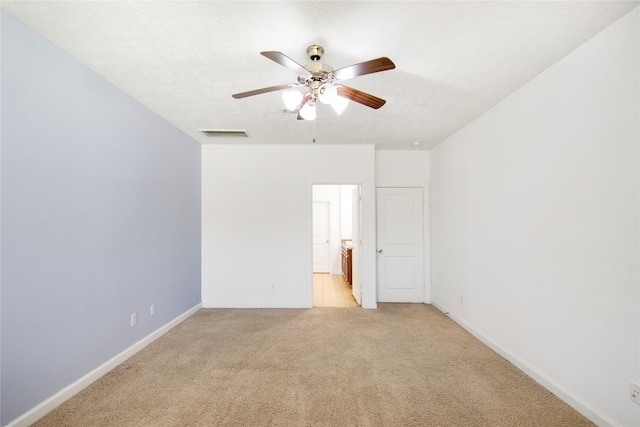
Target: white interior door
400,231
356,273
320,237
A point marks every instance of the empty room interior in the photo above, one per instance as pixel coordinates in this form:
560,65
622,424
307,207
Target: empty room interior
485,173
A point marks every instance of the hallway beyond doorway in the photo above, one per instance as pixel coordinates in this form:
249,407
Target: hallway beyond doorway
331,290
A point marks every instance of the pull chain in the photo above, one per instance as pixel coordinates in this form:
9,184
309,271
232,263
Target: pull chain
314,131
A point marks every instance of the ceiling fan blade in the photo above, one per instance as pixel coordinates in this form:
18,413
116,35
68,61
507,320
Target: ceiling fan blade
360,97
287,62
260,91
368,67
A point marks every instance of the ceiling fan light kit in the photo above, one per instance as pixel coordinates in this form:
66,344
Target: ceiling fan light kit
339,104
292,99
308,111
319,81
327,93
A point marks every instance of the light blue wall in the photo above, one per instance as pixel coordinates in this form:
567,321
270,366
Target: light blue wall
100,208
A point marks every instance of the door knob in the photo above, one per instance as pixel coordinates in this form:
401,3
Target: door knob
379,251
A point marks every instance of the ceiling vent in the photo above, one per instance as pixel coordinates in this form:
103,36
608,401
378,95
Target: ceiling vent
222,133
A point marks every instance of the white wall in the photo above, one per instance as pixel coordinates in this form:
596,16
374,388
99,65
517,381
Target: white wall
409,168
256,220
535,224
346,212
402,168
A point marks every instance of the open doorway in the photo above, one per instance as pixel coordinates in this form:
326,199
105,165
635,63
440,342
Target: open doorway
336,239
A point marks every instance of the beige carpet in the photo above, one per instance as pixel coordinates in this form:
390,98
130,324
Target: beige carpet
400,365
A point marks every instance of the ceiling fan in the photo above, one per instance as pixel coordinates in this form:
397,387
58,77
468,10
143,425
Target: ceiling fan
320,83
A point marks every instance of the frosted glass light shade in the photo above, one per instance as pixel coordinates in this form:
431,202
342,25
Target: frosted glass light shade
291,99
339,104
327,93
308,112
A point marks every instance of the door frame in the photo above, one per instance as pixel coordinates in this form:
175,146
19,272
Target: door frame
368,265
356,267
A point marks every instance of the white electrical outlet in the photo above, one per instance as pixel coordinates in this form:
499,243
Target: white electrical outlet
635,393
461,301
134,319
152,310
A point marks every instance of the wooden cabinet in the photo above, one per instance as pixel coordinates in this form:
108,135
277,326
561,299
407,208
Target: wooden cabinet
346,262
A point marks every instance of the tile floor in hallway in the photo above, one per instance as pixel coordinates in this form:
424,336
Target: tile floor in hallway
331,290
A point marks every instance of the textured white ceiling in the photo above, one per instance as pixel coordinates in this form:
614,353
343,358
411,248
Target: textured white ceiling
454,60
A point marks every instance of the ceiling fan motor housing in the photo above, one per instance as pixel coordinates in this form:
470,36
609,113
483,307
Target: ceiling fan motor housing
319,70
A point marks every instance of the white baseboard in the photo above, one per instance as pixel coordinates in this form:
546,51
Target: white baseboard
71,390
565,395
256,304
